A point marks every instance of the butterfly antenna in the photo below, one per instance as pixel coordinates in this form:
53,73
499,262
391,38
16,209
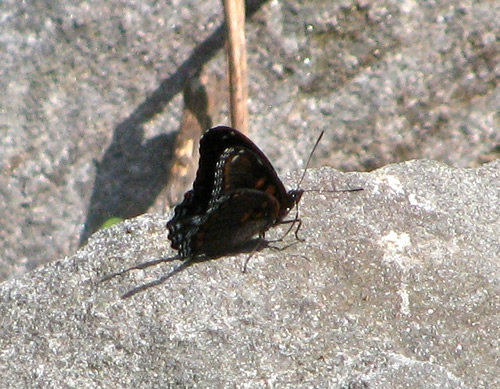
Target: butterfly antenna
310,157
307,166
297,220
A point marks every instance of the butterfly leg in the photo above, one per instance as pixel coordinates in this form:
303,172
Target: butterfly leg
292,223
257,246
299,224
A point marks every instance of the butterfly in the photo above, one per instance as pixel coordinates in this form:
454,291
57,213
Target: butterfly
236,195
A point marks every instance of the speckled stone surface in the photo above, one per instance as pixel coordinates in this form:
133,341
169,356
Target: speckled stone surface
394,286
91,98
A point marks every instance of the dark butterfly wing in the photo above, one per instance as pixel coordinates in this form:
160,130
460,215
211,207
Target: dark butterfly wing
231,222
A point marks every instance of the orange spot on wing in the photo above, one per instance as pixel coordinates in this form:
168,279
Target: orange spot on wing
260,183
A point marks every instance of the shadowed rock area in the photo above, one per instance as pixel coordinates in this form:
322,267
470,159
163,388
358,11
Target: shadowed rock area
394,286
92,98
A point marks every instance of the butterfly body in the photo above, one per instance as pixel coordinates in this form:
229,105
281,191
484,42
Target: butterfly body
236,195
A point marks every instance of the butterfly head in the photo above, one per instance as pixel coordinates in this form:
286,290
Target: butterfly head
294,196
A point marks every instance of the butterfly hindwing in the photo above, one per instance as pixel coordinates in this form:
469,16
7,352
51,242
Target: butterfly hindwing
233,221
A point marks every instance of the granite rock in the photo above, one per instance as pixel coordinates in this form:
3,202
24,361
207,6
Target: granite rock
394,286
